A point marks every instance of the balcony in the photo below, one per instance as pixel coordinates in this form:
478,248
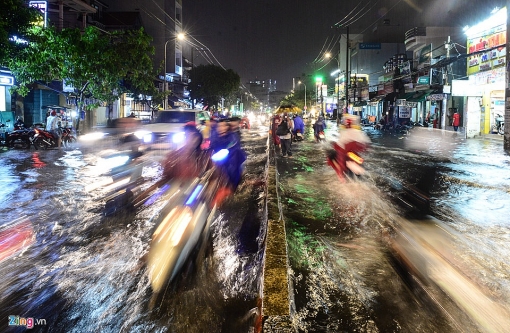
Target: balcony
79,6
415,38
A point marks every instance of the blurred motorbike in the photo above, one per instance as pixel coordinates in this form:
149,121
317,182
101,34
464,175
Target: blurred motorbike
321,136
347,161
183,224
15,236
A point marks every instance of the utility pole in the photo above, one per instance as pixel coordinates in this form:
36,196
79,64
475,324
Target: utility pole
347,73
191,72
506,135
338,80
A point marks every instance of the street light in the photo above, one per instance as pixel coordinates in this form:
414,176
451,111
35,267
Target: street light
299,82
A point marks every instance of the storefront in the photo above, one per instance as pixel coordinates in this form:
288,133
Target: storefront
6,113
486,44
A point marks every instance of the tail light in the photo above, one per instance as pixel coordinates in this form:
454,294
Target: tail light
355,157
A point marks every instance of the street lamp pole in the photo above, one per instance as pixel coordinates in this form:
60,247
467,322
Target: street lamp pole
299,82
165,101
338,81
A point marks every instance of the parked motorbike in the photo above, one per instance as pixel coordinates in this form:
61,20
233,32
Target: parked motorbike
43,139
321,136
20,137
499,126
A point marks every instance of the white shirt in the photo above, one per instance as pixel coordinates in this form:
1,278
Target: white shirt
51,123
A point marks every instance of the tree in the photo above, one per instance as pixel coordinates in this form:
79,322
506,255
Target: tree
16,19
100,66
210,83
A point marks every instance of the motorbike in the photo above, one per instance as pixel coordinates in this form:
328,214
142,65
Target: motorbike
43,139
20,137
68,139
183,224
321,136
298,136
244,124
499,126
347,161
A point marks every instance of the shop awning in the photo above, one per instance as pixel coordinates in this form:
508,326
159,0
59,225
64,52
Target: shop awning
377,99
408,95
420,97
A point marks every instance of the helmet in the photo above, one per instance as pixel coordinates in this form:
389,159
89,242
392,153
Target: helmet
53,113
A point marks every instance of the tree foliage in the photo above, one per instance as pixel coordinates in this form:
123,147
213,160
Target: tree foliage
98,65
16,19
297,98
210,83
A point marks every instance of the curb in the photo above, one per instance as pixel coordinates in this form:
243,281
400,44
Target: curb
276,299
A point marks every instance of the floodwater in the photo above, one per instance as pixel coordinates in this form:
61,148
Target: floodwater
346,241
82,272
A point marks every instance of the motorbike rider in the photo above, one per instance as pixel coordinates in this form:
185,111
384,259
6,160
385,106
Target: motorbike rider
228,174
190,160
352,138
299,125
319,126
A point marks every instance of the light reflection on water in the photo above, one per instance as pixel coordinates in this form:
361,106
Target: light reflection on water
336,234
85,273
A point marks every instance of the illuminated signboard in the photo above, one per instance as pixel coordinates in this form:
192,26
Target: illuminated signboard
486,42
6,80
43,7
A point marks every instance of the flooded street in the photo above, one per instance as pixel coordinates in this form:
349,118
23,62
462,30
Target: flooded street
83,272
360,260
363,262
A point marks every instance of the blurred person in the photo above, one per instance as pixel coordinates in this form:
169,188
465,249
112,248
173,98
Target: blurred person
284,132
235,127
299,125
274,125
189,161
228,174
352,139
245,122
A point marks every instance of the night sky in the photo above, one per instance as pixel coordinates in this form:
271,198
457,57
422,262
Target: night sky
282,39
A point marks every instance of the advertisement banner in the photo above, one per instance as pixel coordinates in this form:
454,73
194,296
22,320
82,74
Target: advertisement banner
404,112
425,53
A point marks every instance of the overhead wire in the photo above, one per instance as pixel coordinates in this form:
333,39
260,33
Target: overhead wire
209,57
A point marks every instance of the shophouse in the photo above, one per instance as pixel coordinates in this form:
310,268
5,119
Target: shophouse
483,92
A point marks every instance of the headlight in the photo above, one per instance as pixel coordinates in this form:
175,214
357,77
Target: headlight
145,136
92,136
179,137
117,161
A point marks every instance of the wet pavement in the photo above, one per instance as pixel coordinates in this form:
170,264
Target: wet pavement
82,272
